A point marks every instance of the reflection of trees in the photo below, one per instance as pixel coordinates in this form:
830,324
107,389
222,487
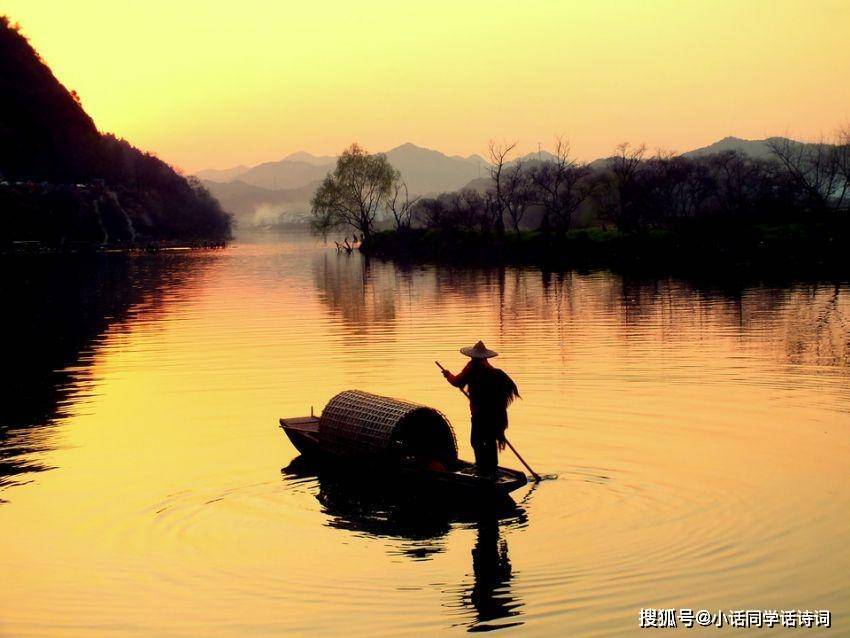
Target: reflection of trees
57,306
361,292
800,323
817,326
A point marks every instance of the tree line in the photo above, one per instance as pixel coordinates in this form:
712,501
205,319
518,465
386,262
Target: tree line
631,191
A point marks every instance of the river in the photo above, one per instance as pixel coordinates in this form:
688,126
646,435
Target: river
700,435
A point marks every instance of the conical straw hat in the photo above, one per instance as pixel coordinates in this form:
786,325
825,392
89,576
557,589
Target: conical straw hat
479,351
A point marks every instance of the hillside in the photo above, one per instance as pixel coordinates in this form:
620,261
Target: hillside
61,180
758,149
427,171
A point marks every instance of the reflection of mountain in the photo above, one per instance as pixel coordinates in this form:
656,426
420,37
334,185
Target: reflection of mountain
60,305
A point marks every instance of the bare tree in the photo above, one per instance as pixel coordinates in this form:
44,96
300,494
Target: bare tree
429,212
498,158
561,186
619,186
517,192
400,203
475,209
815,169
842,163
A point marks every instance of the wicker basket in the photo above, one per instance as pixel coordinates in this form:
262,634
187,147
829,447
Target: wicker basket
360,424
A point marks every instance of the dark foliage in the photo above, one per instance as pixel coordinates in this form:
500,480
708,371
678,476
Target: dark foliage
723,210
62,180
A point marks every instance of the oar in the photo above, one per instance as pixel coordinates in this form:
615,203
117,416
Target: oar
534,474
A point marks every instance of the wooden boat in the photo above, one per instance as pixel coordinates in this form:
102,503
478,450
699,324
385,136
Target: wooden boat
373,433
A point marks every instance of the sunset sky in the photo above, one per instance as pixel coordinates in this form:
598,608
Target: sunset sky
213,84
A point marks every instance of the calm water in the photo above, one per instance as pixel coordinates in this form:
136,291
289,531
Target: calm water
701,439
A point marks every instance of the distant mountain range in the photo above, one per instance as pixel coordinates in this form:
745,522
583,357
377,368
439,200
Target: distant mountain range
258,193
424,170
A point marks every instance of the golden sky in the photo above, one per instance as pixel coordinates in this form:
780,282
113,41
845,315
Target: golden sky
213,84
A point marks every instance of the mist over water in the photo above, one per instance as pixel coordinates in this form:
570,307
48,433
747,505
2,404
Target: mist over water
700,435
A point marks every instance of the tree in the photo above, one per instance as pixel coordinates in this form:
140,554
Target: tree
517,192
562,185
498,158
617,193
816,171
354,193
400,204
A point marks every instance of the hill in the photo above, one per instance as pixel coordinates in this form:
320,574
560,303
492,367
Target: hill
428,172
62,180
758,149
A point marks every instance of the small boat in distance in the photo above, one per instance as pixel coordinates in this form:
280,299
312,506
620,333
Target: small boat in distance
393,436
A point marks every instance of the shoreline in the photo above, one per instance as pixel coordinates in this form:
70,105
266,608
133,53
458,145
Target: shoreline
773,250
35,247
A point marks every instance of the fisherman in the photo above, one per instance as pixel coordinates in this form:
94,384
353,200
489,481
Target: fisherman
490,391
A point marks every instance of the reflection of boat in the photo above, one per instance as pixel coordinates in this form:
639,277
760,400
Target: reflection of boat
412,441
420,521
355,502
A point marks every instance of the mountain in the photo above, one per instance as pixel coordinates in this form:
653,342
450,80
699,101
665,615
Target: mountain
535,157
286,186
315,160
284,174
426,171
221,175
758,149
62,180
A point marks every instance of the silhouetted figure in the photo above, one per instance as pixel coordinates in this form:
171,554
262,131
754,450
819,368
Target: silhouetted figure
491,595
491,391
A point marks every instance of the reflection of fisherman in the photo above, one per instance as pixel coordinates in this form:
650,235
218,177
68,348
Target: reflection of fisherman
491,568
490,393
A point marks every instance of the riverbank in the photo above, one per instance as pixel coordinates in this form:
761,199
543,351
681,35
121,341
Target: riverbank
788,248
35,247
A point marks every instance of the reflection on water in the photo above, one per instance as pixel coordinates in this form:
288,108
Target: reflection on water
375,506
58,307
490,592
700,434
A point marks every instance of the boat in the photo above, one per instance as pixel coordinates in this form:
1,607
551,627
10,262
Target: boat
372,433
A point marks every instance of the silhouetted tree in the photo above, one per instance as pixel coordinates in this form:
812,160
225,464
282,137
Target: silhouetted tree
816,171
562,185
498,158
354,193
517,192
616,188
400,204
